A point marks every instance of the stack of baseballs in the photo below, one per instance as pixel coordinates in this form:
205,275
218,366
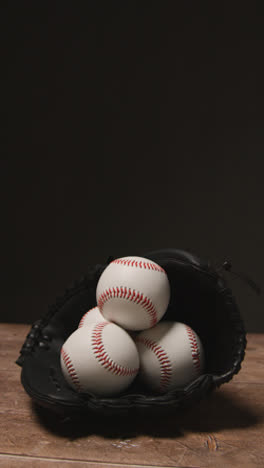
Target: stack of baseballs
124,336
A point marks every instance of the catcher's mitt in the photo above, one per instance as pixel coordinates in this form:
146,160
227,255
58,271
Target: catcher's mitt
199,297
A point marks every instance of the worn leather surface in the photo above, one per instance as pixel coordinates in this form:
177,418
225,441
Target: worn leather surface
200,297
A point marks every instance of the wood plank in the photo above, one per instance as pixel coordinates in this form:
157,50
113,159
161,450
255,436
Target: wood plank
12,337
13,461
230,424
14,399
253,365
226,429
15,332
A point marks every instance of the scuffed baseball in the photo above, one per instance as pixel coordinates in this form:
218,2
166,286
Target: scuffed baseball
100,358
91,316
133,292
171,356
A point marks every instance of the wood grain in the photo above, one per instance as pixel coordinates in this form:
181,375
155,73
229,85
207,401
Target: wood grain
12,461
225,429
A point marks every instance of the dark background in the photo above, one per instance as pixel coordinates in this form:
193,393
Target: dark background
132,126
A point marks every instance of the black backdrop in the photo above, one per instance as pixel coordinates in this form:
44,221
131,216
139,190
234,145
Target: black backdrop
132,126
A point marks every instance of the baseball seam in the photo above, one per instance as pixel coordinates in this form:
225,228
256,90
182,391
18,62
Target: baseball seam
139,264
132,295
194,349
70,368
102,356
84,317
164,361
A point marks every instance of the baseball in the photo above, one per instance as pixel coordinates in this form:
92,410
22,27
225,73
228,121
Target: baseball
133,292
91,316
100,358
171,356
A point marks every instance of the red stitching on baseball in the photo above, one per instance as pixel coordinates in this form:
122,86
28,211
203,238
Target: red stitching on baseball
194,349
71,371
140,264
131,295
165,363
102,356
85,315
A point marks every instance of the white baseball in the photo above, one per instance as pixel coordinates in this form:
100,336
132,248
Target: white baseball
100,358
133,292
171,356
91,316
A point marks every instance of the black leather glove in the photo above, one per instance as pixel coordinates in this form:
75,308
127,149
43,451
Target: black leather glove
200,298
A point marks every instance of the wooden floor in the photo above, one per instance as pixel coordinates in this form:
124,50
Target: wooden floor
225,430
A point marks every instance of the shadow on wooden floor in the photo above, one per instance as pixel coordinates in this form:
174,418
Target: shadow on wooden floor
217,412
